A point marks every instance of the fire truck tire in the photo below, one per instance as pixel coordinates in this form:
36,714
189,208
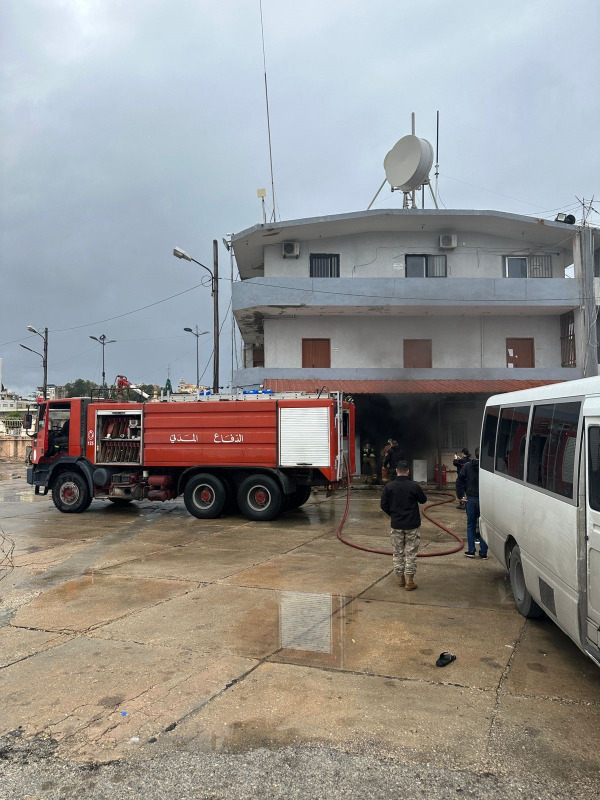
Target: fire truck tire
297,498
70,493
524,602
205,496
260,498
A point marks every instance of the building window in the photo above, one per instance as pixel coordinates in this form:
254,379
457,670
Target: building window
454,436
316,353
520,353
567,340
258,357
417,353
324,265
425,266
528,266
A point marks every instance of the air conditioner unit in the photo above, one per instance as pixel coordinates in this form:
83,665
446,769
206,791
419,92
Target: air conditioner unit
290,249
448,241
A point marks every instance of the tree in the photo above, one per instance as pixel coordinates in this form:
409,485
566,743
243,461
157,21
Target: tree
81,388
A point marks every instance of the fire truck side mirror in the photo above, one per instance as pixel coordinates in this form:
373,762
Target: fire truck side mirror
27,421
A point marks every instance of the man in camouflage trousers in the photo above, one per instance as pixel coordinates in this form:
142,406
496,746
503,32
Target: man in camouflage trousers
400,500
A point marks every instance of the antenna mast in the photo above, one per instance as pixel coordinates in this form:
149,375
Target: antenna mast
262,32
437,155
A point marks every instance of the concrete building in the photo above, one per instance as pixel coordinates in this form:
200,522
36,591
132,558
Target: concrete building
420,315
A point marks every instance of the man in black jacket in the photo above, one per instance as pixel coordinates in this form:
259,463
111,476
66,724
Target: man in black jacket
467,488
392,458
400,500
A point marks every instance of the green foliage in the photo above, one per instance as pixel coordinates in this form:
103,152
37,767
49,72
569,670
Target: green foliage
148,388
14,415
81,388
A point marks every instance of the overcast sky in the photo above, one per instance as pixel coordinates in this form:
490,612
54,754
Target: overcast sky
132,127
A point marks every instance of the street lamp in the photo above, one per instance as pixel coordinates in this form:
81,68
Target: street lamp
44,357
103,341
214,283
197,335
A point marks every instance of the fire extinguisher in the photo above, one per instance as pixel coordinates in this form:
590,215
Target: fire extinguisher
444,474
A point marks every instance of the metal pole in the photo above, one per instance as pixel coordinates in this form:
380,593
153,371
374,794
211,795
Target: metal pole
215,288
45,360
439,442
197,361
103,373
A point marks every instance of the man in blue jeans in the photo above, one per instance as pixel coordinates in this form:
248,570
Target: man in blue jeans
467,489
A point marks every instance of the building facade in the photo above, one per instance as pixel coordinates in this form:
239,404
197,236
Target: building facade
419,314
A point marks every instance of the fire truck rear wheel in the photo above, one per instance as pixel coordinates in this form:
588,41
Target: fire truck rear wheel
70,493
205,496
260,498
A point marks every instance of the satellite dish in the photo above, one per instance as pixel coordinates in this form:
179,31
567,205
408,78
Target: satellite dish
408,163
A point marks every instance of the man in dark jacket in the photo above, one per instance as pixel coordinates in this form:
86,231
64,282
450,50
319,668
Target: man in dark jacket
467,488
392,458
459,462
400,500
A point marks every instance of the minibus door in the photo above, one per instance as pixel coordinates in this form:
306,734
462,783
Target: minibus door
593,528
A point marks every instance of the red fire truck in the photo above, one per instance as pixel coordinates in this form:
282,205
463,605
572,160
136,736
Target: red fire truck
262,452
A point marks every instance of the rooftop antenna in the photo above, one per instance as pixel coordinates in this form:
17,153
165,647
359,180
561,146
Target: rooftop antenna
261,194
407,167
262,32
437,154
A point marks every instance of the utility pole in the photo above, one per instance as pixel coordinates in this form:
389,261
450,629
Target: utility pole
215,288
586,314
45,364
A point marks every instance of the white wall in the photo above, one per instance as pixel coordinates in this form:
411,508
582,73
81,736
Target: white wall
376,342
381,255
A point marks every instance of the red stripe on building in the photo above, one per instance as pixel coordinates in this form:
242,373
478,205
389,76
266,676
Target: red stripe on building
404,387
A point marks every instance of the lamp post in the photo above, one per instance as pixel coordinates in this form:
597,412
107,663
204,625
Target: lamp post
214,283
197,334
103,341
44,357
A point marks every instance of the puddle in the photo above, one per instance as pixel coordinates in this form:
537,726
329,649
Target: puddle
18,497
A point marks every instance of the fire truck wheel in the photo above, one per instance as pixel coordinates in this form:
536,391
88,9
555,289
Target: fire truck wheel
259,497
301,495
205,496
70,493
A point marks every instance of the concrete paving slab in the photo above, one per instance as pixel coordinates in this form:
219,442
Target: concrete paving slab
544,738
343,571
474,584
278,705
547,663
83,603
17,644
202,562
212,619
45,554
96,695
405,641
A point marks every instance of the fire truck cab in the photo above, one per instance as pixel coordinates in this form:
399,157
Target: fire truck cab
260,452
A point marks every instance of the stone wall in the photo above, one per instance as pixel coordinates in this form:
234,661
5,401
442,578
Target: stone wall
13,448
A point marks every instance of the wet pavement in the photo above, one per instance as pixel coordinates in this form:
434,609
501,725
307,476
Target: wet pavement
132,634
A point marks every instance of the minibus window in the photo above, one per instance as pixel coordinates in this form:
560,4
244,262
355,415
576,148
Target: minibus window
594,467
512,435
488,439
551,463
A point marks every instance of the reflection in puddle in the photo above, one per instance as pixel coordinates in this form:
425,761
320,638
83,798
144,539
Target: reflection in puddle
21,497
311,628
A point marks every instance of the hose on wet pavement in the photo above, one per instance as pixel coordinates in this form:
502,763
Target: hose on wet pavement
455,549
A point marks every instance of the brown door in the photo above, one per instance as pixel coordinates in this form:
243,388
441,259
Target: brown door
316,353
520,353
417,353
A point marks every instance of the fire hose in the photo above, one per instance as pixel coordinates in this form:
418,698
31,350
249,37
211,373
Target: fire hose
455,549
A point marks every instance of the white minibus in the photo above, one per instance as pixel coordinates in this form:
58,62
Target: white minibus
539,490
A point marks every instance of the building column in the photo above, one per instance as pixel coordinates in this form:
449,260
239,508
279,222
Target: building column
586,342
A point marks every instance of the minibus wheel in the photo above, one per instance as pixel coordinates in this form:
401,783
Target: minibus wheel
524,602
